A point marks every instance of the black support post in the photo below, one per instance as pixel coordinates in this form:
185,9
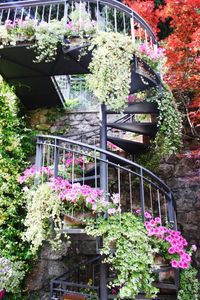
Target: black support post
103,145
39,156
103,186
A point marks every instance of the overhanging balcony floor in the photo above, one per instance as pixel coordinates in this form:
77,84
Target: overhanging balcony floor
33,82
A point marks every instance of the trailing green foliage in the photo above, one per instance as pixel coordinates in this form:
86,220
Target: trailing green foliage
168,138
44,209
15,145
110,68
189,285
133,260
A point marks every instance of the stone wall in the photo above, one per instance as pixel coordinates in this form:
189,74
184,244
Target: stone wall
59,122
182,174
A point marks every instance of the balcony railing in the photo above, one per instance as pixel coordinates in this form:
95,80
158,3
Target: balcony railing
112,14
137,187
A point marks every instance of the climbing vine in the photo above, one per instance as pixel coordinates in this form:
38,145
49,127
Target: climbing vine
15,145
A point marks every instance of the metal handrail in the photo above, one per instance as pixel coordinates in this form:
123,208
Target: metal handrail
144,175
110,3
97,149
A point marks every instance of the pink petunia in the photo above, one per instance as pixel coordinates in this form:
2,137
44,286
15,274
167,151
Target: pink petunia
175,264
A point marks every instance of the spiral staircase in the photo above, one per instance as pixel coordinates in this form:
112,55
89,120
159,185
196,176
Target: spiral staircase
137,186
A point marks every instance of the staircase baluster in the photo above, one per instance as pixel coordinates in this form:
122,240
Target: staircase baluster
80,22
36,11
66,7
88,8
95,165
8,16
83,168
57,11
124,23
151,42
56,157
48,155
115,19
151,200
165,208
171,213
97,14
140,35
43,160
159,206
131,193
1,16
39,153
63,164
22,13
107,174
50,9
145,34
73,157
43,10
15,14
142,200
119,187
29,11
133,29
106,21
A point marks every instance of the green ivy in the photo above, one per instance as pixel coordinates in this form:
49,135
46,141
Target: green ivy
133,260
110,68
170,123
15,145
189,285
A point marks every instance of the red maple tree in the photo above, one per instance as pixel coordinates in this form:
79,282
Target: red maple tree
182,45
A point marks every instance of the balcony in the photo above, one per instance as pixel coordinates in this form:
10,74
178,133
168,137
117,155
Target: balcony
17,64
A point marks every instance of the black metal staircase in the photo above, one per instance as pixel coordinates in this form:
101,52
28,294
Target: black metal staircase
36,86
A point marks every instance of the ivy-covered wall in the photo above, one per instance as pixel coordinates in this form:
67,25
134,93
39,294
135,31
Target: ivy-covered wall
15,146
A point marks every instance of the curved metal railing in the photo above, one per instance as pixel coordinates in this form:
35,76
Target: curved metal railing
137,187
114,14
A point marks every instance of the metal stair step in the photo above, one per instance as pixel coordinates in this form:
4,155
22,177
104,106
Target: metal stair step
145,128
128,146
143,107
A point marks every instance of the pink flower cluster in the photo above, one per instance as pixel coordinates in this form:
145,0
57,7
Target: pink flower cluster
75,196
2,294
85,26
73,160
176,242
154,54
30,173
59,184
23,24
78,196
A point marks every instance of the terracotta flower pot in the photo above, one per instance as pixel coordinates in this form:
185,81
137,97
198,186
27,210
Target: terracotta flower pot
76,220
165,271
